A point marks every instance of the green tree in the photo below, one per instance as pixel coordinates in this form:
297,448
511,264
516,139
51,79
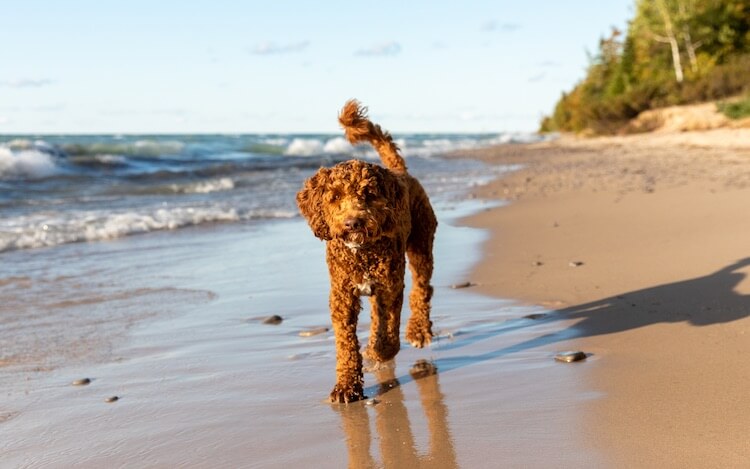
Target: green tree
674,51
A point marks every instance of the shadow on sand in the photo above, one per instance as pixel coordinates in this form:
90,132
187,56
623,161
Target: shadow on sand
701,301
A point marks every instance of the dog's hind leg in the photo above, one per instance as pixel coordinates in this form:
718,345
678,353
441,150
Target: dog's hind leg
419,252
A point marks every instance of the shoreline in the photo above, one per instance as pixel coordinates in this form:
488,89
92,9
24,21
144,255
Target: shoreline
639,244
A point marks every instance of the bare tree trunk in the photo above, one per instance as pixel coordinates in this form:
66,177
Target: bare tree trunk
671,39
676,59
689,44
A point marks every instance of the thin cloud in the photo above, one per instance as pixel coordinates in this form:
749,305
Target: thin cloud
463,115
271,48
475,115
380,50
139,112
537,77
549,64
40,109
48,108
492,26
26,83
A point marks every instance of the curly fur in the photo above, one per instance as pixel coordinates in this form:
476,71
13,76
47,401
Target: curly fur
372,218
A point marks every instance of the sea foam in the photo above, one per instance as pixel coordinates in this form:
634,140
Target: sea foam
25,164
314,146
204,187
338,145
304,147
51,229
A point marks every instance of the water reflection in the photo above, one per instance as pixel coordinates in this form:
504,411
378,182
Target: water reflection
393,429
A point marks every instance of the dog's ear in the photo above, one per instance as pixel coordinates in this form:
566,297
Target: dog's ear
310,203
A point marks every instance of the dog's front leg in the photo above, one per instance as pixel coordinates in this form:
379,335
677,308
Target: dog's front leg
386,322
345,307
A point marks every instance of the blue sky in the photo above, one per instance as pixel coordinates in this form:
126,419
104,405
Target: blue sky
288,66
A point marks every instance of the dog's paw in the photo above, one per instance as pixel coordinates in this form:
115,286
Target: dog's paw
347,393
419,339
418,336
381,351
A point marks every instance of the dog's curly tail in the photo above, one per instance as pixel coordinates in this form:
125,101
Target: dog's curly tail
359,128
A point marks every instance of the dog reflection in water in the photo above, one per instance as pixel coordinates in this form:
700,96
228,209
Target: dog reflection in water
397,445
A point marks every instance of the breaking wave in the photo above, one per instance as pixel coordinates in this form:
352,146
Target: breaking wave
26,164
46,229
203,187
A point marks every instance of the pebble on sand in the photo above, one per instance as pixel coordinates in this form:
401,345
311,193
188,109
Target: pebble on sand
273,320
536,316
575,263
81,382
462,285
112,399
570,356
312,332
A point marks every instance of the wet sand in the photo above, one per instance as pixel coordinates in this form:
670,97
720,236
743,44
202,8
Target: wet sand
640,248
170,323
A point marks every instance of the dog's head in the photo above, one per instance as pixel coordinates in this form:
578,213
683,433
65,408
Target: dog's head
354,201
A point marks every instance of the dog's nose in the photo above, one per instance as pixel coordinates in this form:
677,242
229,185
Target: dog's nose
353,223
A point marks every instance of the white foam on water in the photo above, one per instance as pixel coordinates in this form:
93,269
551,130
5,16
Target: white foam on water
31,164
111,159
338,145
204,187
314,146
54,228
304,147
427,147
443,145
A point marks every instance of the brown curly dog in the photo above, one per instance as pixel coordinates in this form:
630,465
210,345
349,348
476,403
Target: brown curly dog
371,218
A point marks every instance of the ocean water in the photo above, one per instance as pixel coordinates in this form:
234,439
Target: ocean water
63,189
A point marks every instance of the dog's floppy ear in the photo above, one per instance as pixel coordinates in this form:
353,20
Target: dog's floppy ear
310,203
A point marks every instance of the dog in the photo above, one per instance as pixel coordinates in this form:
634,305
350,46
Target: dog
372,218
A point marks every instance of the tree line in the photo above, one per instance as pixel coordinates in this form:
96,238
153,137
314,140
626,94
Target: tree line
673,52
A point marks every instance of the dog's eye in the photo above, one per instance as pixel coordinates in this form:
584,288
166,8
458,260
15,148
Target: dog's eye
335,197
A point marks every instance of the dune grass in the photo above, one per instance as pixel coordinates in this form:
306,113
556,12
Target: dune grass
735,109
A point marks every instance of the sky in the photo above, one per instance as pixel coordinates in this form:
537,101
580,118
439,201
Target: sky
220,66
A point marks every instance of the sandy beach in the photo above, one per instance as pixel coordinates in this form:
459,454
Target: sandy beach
638,246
